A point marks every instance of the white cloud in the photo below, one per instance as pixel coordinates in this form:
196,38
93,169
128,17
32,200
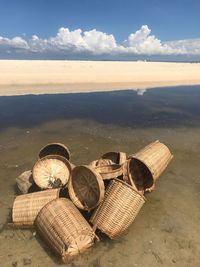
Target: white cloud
94,42
99,42
16,42
191,46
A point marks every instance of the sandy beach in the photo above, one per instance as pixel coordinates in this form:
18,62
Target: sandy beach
21,77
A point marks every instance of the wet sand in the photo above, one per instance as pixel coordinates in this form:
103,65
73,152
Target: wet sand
20,77
166,231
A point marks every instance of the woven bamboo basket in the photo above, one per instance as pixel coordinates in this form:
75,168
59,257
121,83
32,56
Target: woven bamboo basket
86,187
64,229
26,207
127,177
110,171
118,209
55,149
112,158
138,175
52,171
93,164
24,182
147,165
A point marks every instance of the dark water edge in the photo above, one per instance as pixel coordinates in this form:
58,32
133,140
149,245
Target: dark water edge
170,107
166,232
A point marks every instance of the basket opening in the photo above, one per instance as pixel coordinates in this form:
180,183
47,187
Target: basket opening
54,149
114,156
86,187
140,174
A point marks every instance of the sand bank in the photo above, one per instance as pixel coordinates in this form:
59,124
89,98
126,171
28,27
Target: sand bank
19,77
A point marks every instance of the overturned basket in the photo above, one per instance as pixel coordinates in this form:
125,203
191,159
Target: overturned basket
145,166
118,209
64,228
26,207
86,187
55,149
51,172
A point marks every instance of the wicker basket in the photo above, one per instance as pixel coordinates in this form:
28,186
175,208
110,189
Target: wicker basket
112,158
147,165
65,230
86,187
110,171
26,207
55,149
51,172
24,182
118,209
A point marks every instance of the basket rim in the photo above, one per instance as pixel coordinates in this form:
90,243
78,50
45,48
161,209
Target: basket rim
55,143
58,157
100,184
116,167
152,176
129,160
131,187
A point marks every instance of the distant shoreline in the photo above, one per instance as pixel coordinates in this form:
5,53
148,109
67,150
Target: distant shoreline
21,77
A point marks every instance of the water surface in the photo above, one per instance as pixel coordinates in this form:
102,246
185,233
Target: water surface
166,232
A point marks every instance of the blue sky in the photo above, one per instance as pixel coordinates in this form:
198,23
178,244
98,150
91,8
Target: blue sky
156,20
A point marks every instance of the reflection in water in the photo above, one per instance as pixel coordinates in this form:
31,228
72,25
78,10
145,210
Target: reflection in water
156,108
165,231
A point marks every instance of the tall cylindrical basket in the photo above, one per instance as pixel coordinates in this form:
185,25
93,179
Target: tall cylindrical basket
64,229
118,209
26,207
145,166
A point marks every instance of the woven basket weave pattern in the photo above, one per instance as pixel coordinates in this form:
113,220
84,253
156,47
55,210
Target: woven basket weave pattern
86,187
64,228
156,156
110,171
50,169
118,209
26,207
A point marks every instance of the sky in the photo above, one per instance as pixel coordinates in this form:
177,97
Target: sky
99,29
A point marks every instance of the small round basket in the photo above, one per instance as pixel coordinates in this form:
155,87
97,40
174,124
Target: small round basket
86,187
145,166
55,149
112,158
110,171
118,209
64,229
26,207
51,172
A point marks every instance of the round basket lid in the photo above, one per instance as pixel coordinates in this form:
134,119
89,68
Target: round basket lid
55,149
51,172
87,187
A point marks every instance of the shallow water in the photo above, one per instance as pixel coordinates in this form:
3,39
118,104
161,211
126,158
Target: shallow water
166,231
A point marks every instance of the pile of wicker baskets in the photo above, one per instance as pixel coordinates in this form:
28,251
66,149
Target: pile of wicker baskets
55,194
